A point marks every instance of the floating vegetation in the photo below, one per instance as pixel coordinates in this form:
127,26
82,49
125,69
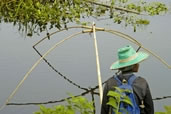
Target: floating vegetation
35,16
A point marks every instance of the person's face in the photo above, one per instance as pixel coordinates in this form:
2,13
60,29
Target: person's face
136,67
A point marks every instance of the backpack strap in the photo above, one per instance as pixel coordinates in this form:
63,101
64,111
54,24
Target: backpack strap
131,79
119,83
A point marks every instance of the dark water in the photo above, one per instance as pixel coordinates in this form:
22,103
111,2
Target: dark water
76,60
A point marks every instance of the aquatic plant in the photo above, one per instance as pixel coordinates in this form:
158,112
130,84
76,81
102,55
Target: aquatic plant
75,105
35,16
115,98
168,110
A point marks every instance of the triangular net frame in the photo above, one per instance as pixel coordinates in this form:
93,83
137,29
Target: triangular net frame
87,29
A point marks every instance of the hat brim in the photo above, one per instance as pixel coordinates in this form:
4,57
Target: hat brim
141,56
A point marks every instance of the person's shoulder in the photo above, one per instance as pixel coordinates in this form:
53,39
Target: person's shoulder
111,81
140,79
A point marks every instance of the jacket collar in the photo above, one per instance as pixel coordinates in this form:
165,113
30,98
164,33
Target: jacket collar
125,75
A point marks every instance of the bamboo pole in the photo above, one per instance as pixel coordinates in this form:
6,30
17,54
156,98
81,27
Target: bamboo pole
98,64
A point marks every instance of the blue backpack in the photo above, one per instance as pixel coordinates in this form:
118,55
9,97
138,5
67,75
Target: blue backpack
126,108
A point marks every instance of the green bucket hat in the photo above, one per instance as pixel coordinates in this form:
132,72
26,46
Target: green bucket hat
127,56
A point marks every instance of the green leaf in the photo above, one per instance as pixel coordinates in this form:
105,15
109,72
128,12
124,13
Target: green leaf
119,89
126,91
43,108
112,102
59,13
113,2
167,108
160,113
114,94
127,100
37,113
70,111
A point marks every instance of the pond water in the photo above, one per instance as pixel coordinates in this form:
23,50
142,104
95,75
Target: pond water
76,59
